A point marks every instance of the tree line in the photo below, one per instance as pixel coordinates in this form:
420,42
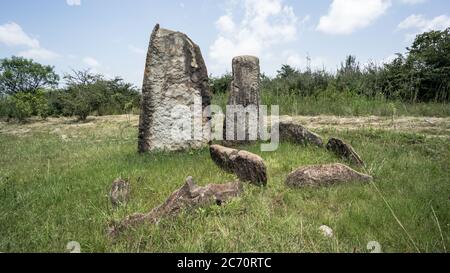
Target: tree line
422,74
30,89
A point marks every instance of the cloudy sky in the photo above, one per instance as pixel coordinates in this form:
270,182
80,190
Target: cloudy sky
111,36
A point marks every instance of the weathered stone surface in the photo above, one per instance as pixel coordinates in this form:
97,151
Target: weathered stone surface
324,175
222,157
345,151
175,79
326,231
244,91
246,166
290,131
188,196
119,193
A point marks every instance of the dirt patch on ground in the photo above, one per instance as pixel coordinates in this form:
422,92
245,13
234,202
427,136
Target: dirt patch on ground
69,128
429,126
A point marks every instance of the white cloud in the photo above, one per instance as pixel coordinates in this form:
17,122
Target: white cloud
91,62
422,24
11,34
265,24
73,2
41,54
347,16
137,50
413,2
419,24
225,24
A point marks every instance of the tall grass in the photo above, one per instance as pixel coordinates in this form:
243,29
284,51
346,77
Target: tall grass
343,104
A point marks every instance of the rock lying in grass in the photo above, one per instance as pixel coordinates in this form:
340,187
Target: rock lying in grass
345,151
247,166
324,175
120,191
290,131
188,196
326,231
250,167
222,157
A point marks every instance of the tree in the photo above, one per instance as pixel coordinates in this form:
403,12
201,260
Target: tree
82,77
350,67
87,93
220,84
286,71
348,77
429,59
82,93
18,74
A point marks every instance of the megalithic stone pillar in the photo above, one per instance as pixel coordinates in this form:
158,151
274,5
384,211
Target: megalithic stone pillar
175,93
245,96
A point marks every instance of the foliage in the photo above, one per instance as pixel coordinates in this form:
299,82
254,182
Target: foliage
88,93
286,72
18,74
429,63
84,94
221,84
421,75
23,105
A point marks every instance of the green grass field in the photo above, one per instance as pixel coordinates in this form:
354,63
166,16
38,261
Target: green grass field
55,177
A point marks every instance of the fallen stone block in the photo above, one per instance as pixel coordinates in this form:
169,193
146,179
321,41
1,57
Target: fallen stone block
298,134
245,165
188,196
345,151
324,175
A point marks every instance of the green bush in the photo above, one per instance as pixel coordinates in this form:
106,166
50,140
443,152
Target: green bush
418,77
85,94
421,75
24,105
21,106
91,94
220,85
40,104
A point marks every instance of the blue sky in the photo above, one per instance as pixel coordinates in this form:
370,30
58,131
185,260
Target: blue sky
111,36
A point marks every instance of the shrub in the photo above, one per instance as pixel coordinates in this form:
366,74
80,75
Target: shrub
220,85
24,105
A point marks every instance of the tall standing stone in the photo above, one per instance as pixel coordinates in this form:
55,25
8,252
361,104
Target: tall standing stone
175,90
245,92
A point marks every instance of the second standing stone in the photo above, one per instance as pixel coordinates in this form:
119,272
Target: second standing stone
245,96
